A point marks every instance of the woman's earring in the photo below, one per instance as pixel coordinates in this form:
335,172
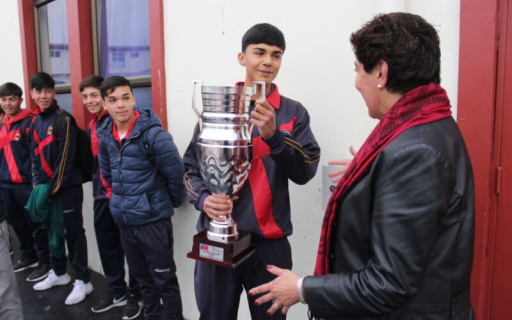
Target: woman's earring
379,86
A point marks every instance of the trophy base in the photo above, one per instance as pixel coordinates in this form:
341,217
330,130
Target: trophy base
230,254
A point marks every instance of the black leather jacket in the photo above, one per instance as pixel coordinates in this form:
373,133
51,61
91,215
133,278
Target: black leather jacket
403,239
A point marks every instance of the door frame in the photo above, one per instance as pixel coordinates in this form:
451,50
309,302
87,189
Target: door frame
477,114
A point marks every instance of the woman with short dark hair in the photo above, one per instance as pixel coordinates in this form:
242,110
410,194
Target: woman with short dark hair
397,237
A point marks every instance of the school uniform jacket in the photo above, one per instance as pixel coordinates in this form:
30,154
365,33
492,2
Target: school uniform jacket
292,153
15,149
53,160
101,189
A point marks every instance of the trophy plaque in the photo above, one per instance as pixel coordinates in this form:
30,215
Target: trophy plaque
224,154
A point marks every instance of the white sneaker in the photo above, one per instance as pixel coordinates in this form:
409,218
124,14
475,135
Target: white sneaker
52,280
79,292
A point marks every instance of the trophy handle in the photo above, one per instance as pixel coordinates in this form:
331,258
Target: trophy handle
198,84
255,85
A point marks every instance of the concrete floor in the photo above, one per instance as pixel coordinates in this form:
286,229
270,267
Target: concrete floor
49,304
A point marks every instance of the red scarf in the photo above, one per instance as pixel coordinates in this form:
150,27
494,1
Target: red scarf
421,105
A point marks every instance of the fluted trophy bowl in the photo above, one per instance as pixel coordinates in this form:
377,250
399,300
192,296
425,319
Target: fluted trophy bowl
224,148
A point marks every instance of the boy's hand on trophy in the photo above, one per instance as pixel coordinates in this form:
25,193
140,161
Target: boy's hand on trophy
218,206
264,117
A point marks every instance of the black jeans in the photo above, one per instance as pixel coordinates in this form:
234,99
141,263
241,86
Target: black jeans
149,252
33,240
111,251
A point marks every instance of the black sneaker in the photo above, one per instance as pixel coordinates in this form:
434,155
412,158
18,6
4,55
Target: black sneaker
133,308
40,273
108,302
24,263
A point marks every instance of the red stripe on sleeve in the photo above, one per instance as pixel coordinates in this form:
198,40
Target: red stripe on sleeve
288,126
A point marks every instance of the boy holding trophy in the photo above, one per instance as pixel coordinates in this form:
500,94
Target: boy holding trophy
283,148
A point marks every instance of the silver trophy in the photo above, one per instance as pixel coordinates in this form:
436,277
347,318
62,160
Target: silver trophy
224,144
224,154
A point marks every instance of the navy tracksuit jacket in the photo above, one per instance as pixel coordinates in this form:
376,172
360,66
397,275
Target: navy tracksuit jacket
53,162
15,184
291,154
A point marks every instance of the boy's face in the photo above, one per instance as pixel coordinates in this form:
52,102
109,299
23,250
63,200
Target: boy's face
262,63
11,105
93,101
43,98
120,103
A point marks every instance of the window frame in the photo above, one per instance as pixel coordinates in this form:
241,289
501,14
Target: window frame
138,81
82,50
59,88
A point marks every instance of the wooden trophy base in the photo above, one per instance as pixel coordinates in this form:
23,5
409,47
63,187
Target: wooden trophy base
229,255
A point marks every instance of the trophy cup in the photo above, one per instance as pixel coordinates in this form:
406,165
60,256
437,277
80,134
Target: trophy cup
224,154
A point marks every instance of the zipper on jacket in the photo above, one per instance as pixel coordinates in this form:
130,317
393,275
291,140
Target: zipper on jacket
120,164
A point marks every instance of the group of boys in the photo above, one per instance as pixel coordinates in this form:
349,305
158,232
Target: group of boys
138,178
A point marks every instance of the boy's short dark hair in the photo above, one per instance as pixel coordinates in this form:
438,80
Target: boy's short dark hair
42,80
111,83
92,81
263,33
10,89
408,44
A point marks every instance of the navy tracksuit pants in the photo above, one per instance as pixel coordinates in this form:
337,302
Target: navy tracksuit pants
33,240
149,252
218,289
111,251
71,200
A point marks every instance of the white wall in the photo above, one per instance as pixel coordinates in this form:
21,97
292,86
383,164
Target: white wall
203,38
11,65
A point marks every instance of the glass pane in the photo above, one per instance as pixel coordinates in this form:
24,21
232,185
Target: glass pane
123,37
53,37
64,101
143,97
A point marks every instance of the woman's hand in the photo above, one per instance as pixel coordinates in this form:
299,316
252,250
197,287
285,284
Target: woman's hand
345,163
282,291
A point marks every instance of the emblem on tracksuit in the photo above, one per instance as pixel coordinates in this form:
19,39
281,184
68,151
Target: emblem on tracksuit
50,130
17,136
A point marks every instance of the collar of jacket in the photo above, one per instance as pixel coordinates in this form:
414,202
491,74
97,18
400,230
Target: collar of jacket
96,118
146,119
19,117
51,110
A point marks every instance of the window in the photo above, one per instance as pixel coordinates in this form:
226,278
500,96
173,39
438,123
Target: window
53,42
123,30
118,61
54,54
108,20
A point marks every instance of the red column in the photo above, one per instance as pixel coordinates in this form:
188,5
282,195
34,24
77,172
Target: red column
475,116
28,45
80,53
156,38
